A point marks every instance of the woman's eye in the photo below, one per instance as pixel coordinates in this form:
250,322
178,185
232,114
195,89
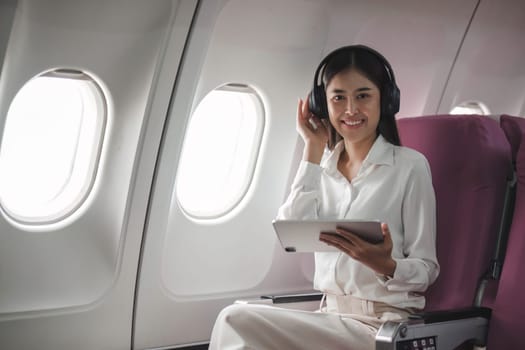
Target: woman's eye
362,96
338,98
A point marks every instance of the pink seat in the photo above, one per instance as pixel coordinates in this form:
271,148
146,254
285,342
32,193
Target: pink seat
470,160
508,314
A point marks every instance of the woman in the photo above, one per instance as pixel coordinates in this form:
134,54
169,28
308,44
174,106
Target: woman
353,167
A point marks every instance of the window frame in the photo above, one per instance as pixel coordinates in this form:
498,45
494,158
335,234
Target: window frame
68,210
242,194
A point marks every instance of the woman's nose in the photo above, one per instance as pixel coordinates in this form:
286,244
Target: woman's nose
350,107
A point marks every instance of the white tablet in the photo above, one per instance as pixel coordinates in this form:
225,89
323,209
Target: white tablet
303,235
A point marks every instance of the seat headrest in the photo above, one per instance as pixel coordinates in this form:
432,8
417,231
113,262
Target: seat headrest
453,141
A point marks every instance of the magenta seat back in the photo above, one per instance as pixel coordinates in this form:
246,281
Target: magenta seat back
469,158
508,314
513,127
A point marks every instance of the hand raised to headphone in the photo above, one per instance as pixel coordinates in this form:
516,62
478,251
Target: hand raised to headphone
313,132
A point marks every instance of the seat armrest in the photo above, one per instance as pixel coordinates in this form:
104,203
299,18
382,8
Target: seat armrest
443,330
294,298
451,315
306,301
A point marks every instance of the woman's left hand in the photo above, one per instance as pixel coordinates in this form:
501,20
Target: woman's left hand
376,256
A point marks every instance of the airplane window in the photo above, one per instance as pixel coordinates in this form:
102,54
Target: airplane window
471,107
220,151
50,147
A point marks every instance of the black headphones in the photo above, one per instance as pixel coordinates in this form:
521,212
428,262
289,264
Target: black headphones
389,92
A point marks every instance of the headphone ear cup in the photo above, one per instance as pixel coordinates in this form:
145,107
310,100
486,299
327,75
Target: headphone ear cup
396,98
317,102
390,103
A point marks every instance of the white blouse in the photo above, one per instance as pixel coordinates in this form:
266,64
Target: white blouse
394,186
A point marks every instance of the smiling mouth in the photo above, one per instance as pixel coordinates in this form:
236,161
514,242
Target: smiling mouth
353,122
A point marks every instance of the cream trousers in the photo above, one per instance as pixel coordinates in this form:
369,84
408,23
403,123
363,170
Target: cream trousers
345,323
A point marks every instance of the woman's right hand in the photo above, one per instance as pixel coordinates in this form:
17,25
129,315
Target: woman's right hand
313,132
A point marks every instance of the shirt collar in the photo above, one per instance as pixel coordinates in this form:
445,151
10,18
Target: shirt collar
381,153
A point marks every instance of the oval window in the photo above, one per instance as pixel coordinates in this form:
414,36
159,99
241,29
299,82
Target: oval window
50,146
220,150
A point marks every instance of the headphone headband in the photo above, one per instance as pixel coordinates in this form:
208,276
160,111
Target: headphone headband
389,97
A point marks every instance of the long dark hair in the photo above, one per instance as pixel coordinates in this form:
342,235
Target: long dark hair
367,62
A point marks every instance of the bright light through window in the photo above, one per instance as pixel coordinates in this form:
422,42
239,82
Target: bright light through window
471,107
220,151
50,146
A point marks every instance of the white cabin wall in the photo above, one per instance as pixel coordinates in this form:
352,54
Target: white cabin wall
72,285
419,39
191,270
7,14
42,39
490,67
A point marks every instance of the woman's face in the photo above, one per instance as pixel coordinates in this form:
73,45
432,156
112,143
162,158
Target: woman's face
354,106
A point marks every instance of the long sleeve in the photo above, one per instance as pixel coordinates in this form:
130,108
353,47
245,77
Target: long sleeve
303,201
419,267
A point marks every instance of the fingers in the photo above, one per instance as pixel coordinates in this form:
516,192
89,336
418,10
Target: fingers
349,236
330,237
337,241
312,131
314,121
306,108
303,113
299,110
376,256
305,119
386,232
303,110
